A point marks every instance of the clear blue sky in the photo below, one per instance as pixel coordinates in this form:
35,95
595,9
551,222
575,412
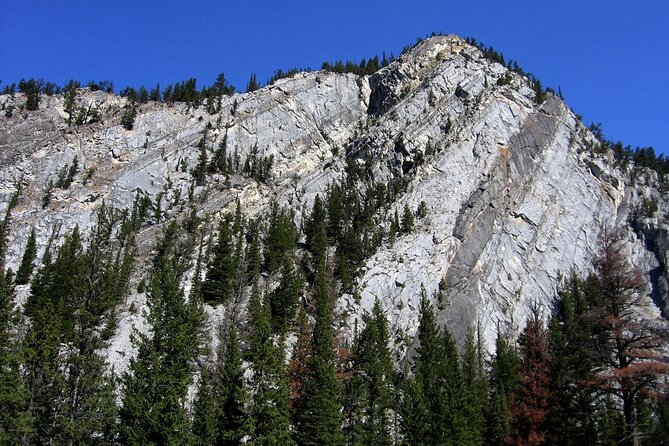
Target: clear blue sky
610,57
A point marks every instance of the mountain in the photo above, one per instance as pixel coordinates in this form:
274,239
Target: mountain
512,192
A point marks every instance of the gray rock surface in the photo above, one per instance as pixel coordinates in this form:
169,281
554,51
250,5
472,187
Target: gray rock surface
514,198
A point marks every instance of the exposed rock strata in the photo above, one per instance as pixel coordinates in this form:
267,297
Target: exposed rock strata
514,200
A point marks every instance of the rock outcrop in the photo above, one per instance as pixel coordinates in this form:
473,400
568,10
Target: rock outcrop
514,197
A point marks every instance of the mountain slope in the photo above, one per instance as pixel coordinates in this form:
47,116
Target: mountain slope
515,197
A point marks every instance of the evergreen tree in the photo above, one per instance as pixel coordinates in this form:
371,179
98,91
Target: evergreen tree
269,407
71,398
233,419
205,430
218,284
129,115
504,383
440,380
44,382
531,402
316,232
153,410
31,88
572,418
253,255
475,387
14,417
219,161
415,422
252,85
284,299
281,238
319,417
200,171
372,368
628,348
298,368
407,219
26,268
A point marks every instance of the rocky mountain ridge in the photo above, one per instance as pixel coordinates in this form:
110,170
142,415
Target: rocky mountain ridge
514,196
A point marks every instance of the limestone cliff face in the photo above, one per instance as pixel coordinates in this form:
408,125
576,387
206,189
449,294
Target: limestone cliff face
514,198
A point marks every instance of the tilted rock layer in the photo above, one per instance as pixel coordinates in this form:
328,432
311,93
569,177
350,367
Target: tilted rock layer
514,197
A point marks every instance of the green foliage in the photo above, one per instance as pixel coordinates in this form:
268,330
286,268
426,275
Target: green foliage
281,238
415,421
439,378
204,428
218,285
31,88
129,115
284,299
504,79
316,231
504,382
258,167
219,162
252,85
422,210
319,419
253,254
27,261
47,194
364,67
475,388
71,304
67,174
233,418
153,410
407,219
269,405
572,417
280,74
370,388
200,170
539,92
14,418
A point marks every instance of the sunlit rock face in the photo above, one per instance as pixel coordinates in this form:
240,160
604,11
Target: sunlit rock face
514,197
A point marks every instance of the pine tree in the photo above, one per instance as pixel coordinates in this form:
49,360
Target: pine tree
218,284
531,402
504,383
281,238
319,418
298,368
200,170
628,348
572,417
233,419
26,268
14,418
269,407
407,219
44,382
252,85
153,410
475,387
372,366
253,255
440,379
284,299
204,426
315,230
415,421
